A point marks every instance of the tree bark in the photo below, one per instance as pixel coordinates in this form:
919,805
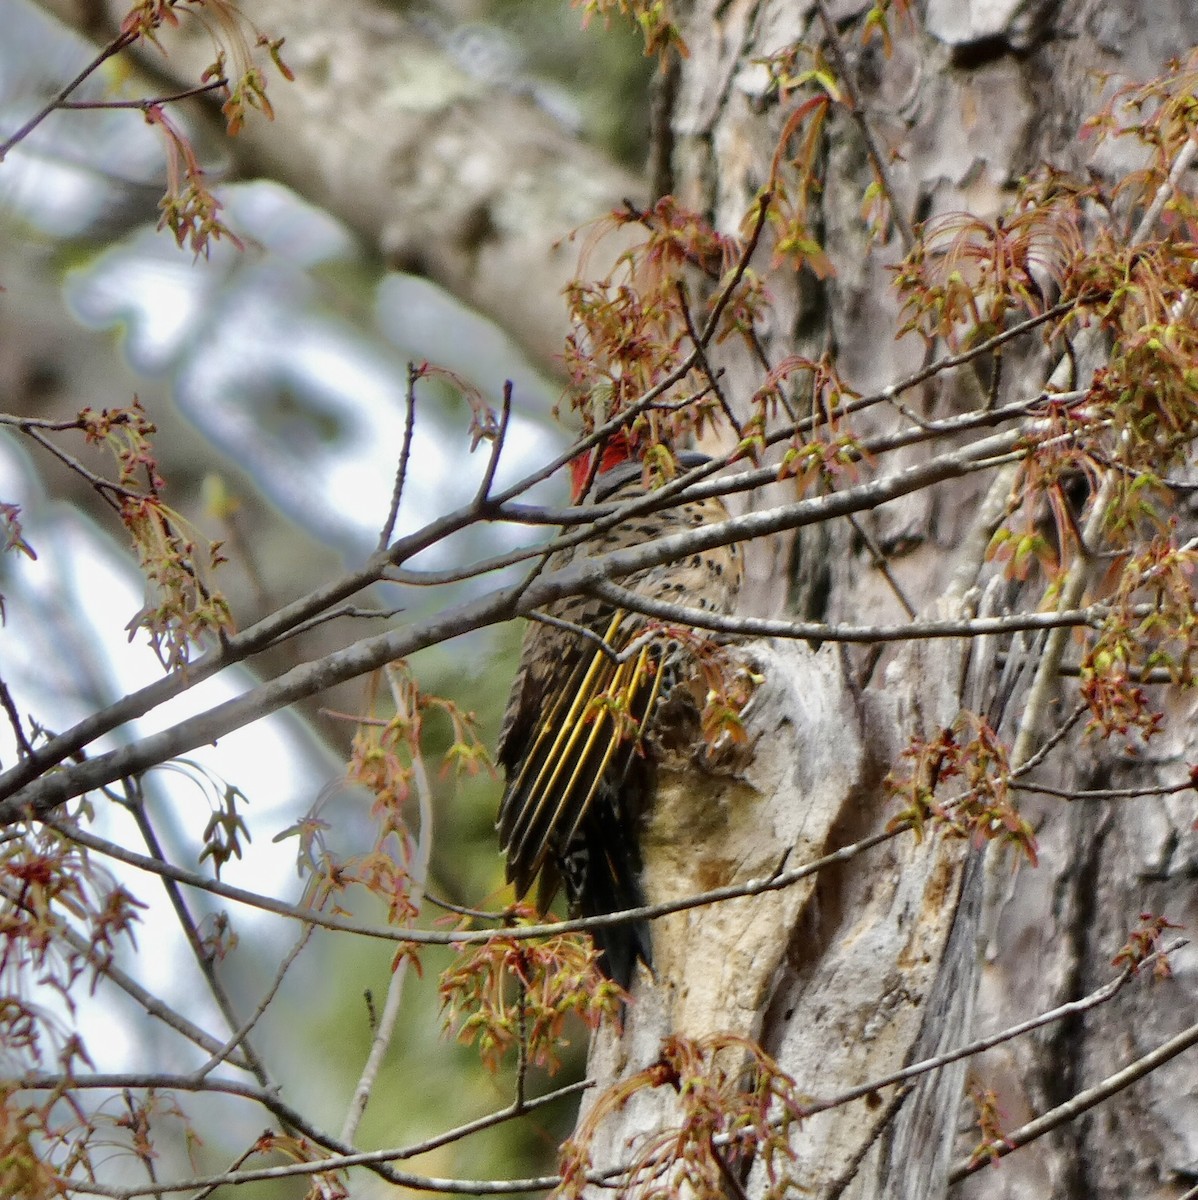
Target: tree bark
875,963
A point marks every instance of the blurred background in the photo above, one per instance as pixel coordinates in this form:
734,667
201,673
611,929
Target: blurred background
276,377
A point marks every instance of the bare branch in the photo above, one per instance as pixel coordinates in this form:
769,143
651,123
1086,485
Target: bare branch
119,43
14,720
389,933
581,631
342,1156
880,564
214,85
840,1185
1171,789
738,272
679,614
1074,1008
204,960
1077,1105
709,373
104,488
336,614
238,647
1050,743
222,1053
405,451
482,499
500,604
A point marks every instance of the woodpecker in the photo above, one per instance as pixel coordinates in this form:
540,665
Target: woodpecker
573,742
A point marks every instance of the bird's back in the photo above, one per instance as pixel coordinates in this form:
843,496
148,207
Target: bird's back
573,737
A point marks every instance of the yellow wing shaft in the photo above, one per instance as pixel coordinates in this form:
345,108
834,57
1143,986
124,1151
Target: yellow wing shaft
603,711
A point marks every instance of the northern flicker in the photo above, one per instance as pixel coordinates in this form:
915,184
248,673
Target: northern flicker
573,741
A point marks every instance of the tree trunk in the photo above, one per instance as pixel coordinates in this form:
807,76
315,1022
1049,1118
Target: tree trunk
913,947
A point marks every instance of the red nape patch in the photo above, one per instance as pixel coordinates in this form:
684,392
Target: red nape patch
616,449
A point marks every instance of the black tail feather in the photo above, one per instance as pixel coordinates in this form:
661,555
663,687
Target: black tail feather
602,875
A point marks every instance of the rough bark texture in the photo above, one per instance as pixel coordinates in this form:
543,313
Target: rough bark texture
877,962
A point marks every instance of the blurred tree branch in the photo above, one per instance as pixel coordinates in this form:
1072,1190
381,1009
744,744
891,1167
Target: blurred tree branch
442,174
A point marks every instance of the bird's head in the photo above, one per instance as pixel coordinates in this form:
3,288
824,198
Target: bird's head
620,459
612,453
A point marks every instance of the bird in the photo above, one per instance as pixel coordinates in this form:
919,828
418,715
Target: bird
576,738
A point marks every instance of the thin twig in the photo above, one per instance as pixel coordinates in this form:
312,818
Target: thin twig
136,805
424,937
24,749
860,118
119,43
418,877
232,1169
105,489
521,1043
995,382
336,614
1073,1008
222,1053
500,604
704,362
589,635
738,272
880,564
475,914
238,647
47,423
1078,1104
679,614
150,102
1050,743
401,469
878,1126
1106,793
731,1182
700,482
482,498
342,1156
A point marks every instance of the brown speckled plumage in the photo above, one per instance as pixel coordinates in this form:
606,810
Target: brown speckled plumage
572,741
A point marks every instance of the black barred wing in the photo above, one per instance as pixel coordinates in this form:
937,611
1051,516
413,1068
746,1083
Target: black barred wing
576,773
585,739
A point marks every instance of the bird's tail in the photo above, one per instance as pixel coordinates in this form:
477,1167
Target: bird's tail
602,875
